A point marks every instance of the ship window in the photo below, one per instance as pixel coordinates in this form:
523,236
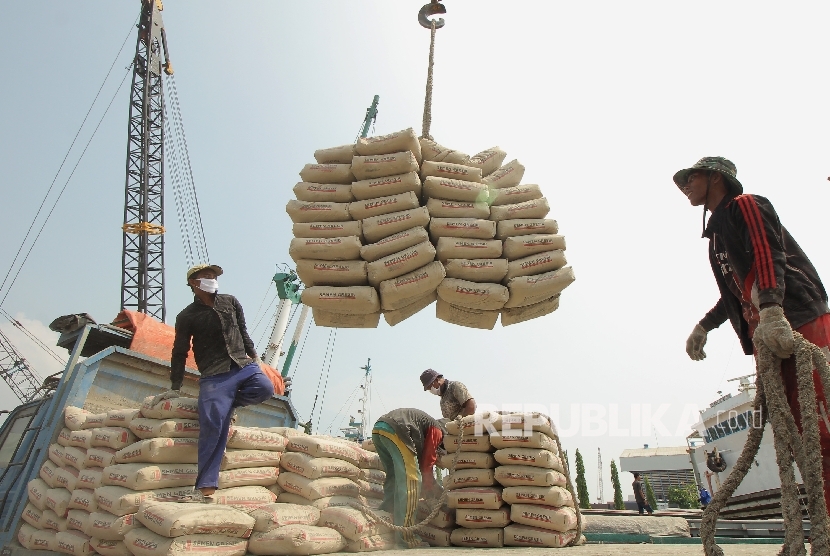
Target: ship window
15,432
742,421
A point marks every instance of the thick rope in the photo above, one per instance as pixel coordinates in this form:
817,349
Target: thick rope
569,486
427,122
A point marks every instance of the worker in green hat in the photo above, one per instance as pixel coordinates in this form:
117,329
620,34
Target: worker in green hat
768,286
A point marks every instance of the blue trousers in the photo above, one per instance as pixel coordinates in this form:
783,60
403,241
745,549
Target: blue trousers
218,396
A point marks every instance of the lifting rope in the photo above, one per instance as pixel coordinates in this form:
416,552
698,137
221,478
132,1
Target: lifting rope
434,7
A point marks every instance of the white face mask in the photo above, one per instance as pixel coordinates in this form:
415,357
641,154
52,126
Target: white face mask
436,391
208,285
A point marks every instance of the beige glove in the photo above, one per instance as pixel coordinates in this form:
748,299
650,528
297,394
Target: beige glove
775,332
695,343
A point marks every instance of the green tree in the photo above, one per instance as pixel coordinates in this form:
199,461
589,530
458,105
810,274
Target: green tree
650,498
615,480
581,485
685,496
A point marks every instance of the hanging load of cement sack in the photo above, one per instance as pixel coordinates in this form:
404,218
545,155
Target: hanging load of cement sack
393,223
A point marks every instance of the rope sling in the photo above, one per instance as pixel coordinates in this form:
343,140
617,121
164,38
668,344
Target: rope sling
790,446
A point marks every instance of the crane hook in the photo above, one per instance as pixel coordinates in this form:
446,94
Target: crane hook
433,8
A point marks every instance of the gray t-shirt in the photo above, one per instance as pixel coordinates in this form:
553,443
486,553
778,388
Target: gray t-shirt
453,399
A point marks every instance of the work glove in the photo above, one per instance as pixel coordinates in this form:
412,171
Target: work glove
695,343
775,332
165,396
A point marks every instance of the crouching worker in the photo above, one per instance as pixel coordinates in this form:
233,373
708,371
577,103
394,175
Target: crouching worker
408,442
228,365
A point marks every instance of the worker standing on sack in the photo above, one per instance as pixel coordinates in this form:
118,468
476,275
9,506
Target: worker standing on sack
455,398
408,442
228,364
767,284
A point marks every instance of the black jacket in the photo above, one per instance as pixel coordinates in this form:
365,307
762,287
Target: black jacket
747,243
220,338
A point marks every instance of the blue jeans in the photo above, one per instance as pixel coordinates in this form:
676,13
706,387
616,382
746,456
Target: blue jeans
218,396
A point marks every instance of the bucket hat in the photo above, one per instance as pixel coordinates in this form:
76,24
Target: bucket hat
194,269
428,377
718,164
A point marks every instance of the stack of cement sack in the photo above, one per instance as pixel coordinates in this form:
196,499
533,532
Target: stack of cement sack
362,248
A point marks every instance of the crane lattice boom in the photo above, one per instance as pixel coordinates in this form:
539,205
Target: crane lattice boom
17,373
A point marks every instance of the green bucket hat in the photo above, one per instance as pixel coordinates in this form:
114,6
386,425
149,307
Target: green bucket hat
724,167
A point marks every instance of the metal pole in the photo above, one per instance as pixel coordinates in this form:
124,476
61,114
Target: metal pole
272,354
371,116
367,388
298,332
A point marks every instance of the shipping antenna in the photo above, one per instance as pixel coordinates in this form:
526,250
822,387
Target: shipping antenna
366,399
600,494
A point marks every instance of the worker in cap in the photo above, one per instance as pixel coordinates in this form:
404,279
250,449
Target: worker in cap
228,364
768,286
408,442
455,398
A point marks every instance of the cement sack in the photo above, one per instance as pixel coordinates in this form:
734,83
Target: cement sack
236,459
325,248
57,500
335,155
525,226
66,477
246,498
535,439
327,173
77,520
295,540
178,408
56,454
83,499
121,417
477,270
546,517
488,160
462,478
36,489
167,428
74,417
73,542
35,539
467,460
333,501
332,273
388,185
287,432
379,227
368,444
317,488
315,468
548,496
109,548
382,165
327,192
104,525
519,475
90,478
404,140
33,516
470,443
327,229
112,437
455,190
528,312
317,211
509,175
121,501
536,264
397,264
490,537
527,290
273,516
143,542
248,476
370,460
343,320
480,519
514,195
394,243
372,543
171,519
373,475
52,521
430,150
521,422
403,290
353,524
353,300
94,420
487,498
473,228
473,295
524,246
444,518
434,536
537,208
370,490
47,473
525,535
462,316
478,424
450,170
462,248
79,439
144,476
252,438
325,447
99,457
440,208
160,450
534,457
397,316
360,210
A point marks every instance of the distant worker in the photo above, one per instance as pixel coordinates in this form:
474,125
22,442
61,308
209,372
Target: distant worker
767,284
408,442
228,364
455,398
640,495
704,497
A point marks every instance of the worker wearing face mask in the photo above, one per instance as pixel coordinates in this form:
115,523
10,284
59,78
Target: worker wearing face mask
455,398
228,365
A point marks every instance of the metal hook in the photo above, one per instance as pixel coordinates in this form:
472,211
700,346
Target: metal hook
433,8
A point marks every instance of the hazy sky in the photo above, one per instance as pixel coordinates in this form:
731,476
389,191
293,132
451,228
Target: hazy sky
602,101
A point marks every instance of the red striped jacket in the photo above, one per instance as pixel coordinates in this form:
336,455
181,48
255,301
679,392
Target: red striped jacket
748,244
